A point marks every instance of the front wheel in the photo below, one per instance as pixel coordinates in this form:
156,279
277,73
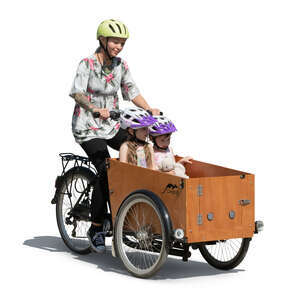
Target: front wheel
140,235
225,254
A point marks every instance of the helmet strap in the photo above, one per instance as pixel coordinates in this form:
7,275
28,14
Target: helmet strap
105,48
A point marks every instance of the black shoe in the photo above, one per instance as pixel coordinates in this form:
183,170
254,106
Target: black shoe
97,240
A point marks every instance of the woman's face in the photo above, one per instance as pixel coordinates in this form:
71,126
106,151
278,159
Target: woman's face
163,141
115,45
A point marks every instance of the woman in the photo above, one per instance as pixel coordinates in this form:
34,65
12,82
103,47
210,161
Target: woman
94,89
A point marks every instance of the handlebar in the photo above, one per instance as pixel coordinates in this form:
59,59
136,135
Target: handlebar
115,114
150,112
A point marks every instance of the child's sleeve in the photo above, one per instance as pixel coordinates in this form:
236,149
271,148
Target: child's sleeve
128,87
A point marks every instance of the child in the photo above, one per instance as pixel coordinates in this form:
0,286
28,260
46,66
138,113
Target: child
160,135
136,150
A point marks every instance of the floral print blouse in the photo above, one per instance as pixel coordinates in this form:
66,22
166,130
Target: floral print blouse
101,87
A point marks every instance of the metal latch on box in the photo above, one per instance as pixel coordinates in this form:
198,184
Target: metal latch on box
244,202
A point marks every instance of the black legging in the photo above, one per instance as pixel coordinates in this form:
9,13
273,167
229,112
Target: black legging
97,151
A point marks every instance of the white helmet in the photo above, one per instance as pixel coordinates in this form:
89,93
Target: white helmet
135,117
162,125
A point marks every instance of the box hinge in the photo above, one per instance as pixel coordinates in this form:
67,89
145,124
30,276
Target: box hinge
199,219
200,190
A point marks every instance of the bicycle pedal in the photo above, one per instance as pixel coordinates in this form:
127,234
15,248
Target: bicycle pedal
109,233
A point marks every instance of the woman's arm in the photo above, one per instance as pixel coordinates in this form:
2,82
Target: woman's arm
131,92
84,102
141,102
123,153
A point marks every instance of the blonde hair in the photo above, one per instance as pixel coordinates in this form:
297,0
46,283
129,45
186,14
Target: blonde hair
132,156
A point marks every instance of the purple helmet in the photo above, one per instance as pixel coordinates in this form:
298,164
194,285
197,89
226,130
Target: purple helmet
135,118
163,125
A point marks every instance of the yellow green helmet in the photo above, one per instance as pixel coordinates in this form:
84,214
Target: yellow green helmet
112,28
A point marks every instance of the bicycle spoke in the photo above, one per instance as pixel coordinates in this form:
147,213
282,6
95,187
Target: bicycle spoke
224,250
75,189
141,251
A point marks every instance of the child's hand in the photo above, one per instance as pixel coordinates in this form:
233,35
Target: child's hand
172,172
186,160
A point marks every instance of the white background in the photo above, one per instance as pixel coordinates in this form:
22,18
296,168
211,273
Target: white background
226,72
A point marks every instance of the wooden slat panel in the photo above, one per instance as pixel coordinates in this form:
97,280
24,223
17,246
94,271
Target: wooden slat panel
248,211
201,169
192,210
220,196
125,178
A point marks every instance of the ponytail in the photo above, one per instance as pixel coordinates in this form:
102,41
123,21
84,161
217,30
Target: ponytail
148,156
132,155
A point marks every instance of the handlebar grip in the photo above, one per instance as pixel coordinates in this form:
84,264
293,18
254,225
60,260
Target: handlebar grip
96,114
115,115
150,112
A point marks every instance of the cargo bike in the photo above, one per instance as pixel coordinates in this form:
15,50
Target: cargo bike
152,214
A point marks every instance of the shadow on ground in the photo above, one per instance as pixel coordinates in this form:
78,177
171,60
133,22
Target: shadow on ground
172,269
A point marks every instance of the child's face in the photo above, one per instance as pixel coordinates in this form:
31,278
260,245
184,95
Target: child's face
163,141
142,133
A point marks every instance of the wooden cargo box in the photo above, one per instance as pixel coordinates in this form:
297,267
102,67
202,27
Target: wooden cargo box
215,203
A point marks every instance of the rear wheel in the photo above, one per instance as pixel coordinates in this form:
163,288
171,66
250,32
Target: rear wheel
225,254
73,224
140,236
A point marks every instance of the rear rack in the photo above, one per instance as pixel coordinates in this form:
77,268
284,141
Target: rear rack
78,161
70,161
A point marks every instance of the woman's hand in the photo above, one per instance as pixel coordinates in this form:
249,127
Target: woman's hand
186,160
142,103
104,113
155,111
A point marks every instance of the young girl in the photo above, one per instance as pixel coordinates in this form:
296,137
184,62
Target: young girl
160,134
136,150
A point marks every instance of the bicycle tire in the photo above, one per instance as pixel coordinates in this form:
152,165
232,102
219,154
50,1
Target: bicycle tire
225,255
142,249
72,184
